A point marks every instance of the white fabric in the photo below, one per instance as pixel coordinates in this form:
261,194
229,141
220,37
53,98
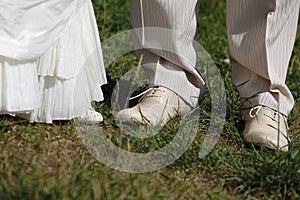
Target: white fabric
57,70
29,27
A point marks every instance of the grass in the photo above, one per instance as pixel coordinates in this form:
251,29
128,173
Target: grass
39,161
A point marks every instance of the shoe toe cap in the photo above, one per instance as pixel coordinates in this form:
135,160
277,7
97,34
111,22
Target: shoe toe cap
127,115
267,139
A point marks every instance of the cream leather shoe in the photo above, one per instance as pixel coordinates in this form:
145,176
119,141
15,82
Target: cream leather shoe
156,107
266,127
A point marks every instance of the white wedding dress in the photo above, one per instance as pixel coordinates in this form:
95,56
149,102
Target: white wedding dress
51,64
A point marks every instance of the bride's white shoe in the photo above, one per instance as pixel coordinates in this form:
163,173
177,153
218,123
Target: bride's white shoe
90,115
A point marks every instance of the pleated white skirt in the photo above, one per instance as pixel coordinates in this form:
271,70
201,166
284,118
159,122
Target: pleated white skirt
61,82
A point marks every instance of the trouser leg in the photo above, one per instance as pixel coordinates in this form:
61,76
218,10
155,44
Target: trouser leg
261,36
169,57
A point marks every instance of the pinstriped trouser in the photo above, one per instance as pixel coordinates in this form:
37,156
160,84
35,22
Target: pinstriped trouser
261,36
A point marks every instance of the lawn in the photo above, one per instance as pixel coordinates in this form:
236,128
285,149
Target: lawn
39,161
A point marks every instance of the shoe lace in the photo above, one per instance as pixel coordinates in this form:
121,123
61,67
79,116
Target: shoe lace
254,111
150,92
